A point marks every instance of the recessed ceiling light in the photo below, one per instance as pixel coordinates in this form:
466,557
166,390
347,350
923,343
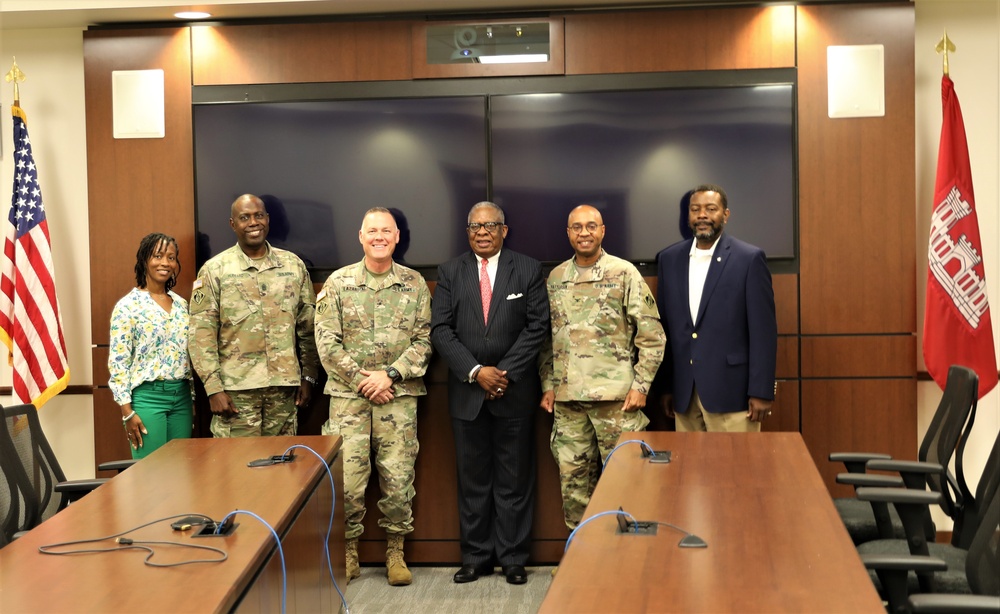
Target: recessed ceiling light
192,15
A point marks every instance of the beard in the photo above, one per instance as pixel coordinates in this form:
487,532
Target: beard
708,234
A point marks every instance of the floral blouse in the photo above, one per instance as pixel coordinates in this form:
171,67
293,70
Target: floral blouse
147,343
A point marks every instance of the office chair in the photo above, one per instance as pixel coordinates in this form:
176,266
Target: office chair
17,505
867,521
938,568
50,489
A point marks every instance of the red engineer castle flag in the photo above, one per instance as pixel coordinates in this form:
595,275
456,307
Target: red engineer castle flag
957,324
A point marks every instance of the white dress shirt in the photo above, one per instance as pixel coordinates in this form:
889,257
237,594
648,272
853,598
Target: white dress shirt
698,265
491,270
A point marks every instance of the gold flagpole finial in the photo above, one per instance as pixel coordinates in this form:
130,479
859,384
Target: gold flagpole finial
15,76
943,47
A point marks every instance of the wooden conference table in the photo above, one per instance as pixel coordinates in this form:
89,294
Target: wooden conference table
775,541
200,476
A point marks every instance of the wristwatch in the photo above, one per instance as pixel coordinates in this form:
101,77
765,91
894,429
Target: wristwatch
311,380
393,374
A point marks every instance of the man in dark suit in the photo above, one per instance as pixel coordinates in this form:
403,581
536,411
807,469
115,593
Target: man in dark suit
717,305
493,390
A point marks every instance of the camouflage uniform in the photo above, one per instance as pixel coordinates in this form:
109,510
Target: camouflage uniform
606,339
374,327
252,337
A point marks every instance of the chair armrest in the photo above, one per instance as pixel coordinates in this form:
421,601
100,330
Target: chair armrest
855,461
953,604
893,570
870,479
70,486
899,562
900,495
914,511
914,473
76,489
117,465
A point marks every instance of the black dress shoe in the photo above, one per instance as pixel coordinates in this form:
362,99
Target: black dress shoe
471,573
515,574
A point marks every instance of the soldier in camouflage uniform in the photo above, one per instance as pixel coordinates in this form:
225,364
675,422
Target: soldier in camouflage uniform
251,339
606,346
373,336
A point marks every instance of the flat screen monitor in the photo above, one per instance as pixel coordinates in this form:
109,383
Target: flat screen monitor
634,155
319,166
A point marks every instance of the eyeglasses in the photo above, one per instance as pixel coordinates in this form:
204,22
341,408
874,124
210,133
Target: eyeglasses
489,226
590,226
257,217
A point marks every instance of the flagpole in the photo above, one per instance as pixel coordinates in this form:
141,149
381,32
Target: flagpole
943,47
958,325
30,320
15,75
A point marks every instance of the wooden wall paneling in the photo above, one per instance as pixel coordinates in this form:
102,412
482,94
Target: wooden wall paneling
858,415
859,356
856,180
135,186
109,436
856,273
101,373
785,414
674,40
786,302
300,53
787,364
549,530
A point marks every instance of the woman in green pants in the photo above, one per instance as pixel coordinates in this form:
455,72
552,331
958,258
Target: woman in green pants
148,358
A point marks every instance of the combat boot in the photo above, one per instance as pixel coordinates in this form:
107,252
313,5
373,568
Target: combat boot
353,566
395,566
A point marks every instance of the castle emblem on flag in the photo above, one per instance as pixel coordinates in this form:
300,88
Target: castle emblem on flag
953,261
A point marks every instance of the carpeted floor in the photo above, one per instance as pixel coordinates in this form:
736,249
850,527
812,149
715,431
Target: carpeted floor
433,592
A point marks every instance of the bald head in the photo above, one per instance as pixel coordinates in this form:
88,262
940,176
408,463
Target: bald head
586,210
585,230
244,199
248,219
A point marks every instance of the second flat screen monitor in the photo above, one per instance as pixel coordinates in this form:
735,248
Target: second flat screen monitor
634,155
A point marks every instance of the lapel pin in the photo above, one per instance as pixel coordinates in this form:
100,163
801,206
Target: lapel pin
718,258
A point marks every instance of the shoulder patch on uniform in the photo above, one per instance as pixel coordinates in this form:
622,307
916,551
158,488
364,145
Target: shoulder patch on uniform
650,301
197,284
198,297
321,294
321,306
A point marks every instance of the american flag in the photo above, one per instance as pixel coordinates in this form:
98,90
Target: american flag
30,323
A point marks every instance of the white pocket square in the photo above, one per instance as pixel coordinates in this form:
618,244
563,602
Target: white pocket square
511,297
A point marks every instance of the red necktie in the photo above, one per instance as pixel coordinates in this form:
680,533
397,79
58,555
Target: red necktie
485,292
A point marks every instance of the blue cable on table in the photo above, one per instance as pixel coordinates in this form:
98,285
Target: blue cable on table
598,515
645,445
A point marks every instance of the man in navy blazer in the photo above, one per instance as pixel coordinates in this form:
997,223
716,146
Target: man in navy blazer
717,305
493,390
